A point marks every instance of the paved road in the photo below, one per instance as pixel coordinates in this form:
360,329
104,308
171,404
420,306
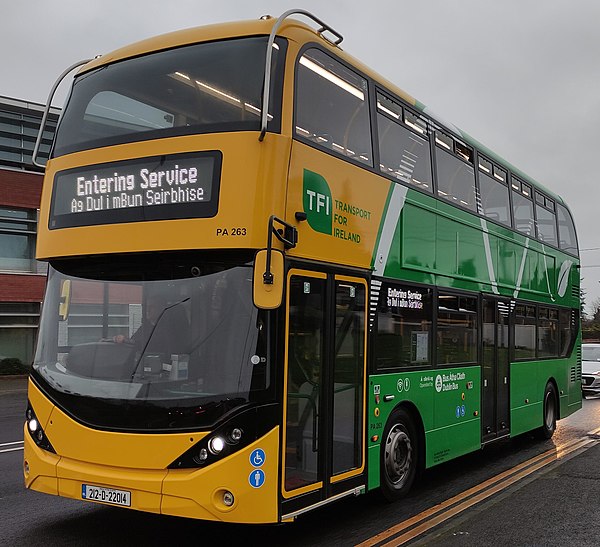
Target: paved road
557,506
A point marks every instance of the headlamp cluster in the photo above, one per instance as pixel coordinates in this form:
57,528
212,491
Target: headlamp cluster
217,446
229,437
36,431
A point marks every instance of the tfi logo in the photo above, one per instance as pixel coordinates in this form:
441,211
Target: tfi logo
317,202
322,201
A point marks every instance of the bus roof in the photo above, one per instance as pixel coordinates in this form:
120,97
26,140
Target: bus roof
301,33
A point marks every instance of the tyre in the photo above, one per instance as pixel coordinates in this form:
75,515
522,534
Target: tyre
550,412
399,455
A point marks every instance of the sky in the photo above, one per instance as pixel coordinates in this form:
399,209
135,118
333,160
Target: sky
521,76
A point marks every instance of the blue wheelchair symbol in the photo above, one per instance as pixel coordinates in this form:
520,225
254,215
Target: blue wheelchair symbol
257,458
256,478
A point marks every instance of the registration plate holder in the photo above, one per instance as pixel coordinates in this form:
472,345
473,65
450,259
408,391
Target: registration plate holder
102,494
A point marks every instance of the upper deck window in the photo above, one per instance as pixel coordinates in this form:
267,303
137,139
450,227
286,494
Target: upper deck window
546,219
495,203
202,88
522,207
455,173
403,144
566,231
332,109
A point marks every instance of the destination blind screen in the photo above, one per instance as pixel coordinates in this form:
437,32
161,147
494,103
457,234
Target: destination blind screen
154,188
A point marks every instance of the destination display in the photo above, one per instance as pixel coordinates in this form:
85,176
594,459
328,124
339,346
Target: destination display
153,188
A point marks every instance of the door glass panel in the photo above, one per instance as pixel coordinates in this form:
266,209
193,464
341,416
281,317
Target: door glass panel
305,360
488,366
348,376
503,363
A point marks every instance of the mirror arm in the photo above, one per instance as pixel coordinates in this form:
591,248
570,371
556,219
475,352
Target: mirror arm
288,236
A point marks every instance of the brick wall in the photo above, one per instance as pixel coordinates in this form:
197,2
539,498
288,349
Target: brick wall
22,288
19,189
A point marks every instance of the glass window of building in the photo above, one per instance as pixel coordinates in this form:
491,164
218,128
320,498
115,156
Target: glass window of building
18,132
403,144
332,108
17,239
18,329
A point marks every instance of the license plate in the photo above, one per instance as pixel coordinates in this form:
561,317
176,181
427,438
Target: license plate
106,495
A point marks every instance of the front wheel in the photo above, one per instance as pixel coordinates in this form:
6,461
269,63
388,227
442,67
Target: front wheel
550,412
399,455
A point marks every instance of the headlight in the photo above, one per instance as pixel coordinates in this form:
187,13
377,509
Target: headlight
235,435
216,445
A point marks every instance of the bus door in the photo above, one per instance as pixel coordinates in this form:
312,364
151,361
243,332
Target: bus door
495,381
325,373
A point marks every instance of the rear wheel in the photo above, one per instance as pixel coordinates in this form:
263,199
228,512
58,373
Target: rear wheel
550,412
399,455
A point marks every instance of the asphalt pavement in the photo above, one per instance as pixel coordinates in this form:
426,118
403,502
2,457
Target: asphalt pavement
556,506
560,506
13,383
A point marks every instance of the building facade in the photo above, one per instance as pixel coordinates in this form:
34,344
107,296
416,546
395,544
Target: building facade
22,278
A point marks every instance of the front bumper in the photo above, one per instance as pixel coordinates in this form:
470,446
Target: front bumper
590,384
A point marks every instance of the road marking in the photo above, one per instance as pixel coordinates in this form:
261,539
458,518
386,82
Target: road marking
11,450
428,519
4,447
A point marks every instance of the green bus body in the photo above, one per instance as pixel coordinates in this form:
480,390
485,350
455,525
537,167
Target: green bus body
438,245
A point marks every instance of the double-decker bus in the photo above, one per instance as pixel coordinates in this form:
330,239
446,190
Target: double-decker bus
276,279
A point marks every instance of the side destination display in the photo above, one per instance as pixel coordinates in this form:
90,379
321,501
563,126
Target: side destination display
153,188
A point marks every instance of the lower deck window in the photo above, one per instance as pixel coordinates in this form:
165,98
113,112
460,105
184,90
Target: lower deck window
456,329
403,326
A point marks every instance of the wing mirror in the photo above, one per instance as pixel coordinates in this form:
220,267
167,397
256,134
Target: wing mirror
268,288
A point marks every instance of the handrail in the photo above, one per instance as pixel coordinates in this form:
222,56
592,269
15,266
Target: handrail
38,141
269,57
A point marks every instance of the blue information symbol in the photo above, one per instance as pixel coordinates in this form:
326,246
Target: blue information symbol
463,411
256,478
257,458
458,411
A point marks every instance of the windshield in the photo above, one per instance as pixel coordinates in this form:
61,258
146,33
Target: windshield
210,87
590,353
152,354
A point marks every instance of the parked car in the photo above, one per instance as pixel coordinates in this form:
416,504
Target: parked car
590,369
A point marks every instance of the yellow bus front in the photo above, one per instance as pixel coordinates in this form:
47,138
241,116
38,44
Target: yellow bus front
154,385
